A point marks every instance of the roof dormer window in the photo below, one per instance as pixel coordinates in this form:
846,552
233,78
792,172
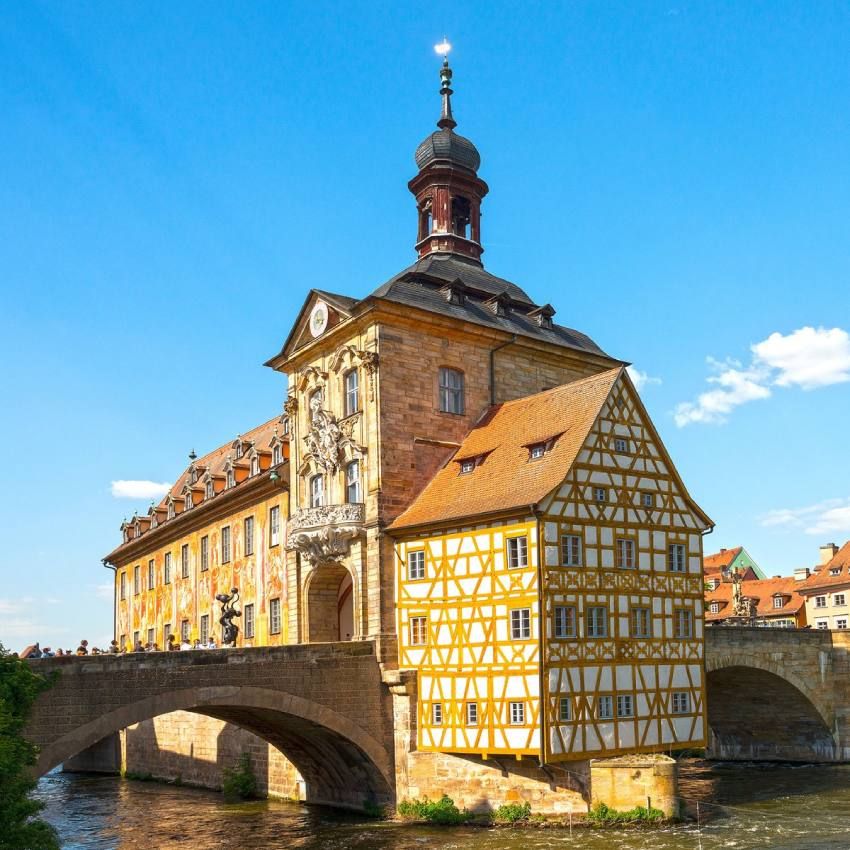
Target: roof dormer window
238,446
210,490
454,292
255,465
542,316
467,465
154,520
231,479
187,501
778,601
835,571
171,509
137,530
276,455
536,451
499,304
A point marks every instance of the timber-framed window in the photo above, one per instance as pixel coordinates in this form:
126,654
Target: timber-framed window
564,621
600,494
640,623
597,621
647,500
683,623
517,713
570,550
520,623
676,561
472,714
418,631
625,706
605,707
626,559
416,564
437,714
565,710
681,702
517,552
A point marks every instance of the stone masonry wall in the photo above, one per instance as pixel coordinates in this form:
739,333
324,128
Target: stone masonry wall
196,748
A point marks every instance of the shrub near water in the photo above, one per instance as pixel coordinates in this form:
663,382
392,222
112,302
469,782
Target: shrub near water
239,783
512,813
442,811
602,815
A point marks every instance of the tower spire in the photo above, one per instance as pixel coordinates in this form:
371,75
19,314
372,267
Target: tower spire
447,121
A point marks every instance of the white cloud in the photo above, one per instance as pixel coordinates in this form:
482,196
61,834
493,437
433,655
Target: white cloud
139,489
826,517
736,386
104,591
806,358
641,379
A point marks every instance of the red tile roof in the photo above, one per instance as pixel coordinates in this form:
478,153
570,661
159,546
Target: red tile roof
763,590
824,576
720,560
505,478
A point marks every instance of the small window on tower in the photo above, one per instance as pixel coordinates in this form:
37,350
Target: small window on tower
460,216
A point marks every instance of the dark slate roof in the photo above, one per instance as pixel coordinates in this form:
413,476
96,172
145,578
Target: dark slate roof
343,302
447,146
419,286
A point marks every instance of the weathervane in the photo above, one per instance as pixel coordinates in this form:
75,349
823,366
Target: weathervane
446,121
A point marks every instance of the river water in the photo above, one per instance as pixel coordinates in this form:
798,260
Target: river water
741,807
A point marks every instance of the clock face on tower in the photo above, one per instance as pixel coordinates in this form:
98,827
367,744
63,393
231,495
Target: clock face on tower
319,319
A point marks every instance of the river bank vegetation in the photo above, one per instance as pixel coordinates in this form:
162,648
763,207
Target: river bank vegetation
20,827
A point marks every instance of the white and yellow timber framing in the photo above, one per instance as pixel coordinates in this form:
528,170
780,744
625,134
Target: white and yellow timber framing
468,592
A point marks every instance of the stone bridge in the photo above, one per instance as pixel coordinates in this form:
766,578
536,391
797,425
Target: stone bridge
324,706
778,694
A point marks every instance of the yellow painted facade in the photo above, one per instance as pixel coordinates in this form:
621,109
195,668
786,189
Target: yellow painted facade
182,593
610,588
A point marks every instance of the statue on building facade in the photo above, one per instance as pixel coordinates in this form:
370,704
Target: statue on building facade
326,441
229,629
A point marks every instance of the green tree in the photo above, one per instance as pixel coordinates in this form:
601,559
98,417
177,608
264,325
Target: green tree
20,829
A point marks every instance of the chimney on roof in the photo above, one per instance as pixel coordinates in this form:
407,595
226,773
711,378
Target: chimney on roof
802,574
827,552
722,551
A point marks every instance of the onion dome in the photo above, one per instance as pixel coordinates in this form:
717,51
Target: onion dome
445,145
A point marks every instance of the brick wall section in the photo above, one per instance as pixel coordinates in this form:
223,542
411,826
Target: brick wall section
324,705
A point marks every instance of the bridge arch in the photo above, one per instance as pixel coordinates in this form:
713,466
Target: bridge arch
340,762
759,709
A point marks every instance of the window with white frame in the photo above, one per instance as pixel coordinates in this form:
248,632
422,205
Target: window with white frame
205,556
570,550
676,558
822,624
647,500
597,621
626,553
565,621
225,545
248,613
714,608
467,465
841,623
352,482
230,480
416,564
248,534
537,451
274,616
683,623
778,601
605,707
517,552
621,445
255,465
600,494
436,714
451,390
681,702
517,712
187,500
838,599
276,458
123,586
205,628
640,623
151,575
137,580
151,637
565,710
352,392
317,491
170,513
166,568
274,525
210,490
520,623
835,571
625,706
472,714
820,602
184,631
418,631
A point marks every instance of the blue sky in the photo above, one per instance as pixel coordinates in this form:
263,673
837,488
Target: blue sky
674,177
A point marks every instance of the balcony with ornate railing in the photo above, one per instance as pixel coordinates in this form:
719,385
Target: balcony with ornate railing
324,533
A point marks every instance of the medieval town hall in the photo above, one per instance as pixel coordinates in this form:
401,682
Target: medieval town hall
473,488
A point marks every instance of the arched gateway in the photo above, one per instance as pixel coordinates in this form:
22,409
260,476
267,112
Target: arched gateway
323,706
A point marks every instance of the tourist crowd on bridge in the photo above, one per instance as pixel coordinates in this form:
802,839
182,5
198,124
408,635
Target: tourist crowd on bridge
114,648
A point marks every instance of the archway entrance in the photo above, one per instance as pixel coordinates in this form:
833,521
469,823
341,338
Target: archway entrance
330,604
754,714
